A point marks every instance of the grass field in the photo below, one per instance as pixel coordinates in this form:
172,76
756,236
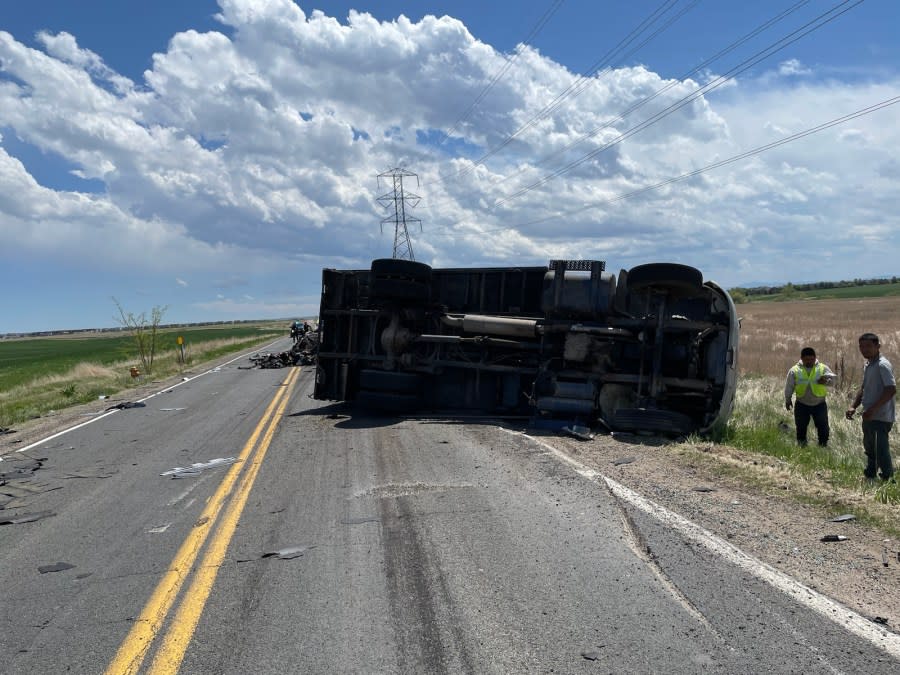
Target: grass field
847,292
772,335
42,374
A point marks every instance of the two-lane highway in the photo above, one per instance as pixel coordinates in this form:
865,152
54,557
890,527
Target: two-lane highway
412,546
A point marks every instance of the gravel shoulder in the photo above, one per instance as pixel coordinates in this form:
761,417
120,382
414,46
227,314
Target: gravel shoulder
754,502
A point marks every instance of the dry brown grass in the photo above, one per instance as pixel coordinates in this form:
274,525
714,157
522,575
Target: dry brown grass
773,333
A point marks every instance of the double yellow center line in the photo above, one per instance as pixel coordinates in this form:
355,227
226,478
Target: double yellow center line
149,624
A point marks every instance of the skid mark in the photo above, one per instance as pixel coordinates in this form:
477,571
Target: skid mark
395,490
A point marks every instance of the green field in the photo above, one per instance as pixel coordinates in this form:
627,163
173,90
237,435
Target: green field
42,374
24,360
845,292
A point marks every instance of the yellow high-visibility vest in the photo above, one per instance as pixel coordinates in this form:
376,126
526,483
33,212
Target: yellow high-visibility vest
809,377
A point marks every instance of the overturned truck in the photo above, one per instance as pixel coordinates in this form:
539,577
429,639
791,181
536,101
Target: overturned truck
651,349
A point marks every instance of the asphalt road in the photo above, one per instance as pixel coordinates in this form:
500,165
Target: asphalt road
407,546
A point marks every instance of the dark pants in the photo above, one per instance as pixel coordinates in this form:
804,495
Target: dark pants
878,452
819,414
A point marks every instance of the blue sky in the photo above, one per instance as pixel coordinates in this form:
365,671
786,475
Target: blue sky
215,156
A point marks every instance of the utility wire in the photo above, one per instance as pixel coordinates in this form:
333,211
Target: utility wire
581,82
789,39
509,63
709,167
641,103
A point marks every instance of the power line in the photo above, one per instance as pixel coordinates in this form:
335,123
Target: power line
509,63
789,39
582,81
731,160
641,103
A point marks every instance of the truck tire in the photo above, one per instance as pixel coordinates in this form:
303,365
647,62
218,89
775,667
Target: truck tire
401,280
399,289
681,279
390,381
387,402
400,269
620,299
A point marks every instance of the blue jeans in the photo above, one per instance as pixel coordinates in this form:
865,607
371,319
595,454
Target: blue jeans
819,414
878,452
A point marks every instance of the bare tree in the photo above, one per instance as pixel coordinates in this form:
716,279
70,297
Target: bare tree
144,331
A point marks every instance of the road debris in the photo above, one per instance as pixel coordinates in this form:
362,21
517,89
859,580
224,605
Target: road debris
880,619
98,473
359,520
287,553
126,405
55,567
25,517
197,468
834,537
579,432
844,518
303,353
623,460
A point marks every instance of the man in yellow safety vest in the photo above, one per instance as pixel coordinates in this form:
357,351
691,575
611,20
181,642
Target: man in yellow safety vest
808,381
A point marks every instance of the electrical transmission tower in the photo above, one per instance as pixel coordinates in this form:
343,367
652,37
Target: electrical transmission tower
400,200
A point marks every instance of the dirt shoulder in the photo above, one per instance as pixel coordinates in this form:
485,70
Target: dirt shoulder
757,504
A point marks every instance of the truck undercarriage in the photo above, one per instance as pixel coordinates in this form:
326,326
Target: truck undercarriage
650,349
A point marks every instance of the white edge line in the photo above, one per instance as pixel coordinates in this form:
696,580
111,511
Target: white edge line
826,607
167,389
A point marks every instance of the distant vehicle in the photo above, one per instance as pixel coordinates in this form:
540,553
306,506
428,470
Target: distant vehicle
296,331
651,349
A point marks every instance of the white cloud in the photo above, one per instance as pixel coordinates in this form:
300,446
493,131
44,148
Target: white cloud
181,282
251,154
793,68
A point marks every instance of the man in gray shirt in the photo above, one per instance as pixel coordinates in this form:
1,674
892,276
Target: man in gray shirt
877,398
807,380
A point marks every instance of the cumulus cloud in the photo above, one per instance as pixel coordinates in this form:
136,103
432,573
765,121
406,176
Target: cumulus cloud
254,150
793,68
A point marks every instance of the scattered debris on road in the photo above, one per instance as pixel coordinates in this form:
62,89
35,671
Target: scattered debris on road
623,460
360,520
303,353
834,537
98,473
25,517
197,468
126,405
844,518
56,567
287,553
579,432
